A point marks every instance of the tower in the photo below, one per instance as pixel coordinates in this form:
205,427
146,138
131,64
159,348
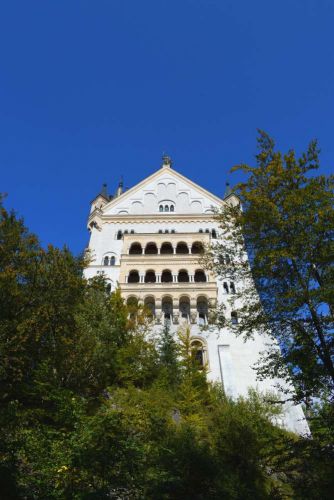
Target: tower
148,240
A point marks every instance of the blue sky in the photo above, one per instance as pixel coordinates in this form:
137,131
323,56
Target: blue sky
92,90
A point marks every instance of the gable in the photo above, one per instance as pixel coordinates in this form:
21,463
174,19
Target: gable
166,189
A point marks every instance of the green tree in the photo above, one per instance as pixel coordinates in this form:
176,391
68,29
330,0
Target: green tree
286,226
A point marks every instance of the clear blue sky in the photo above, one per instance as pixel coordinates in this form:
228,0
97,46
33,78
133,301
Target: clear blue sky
90,90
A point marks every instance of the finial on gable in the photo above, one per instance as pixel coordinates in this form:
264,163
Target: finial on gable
166,161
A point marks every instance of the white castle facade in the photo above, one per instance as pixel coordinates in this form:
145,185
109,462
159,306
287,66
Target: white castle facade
148,241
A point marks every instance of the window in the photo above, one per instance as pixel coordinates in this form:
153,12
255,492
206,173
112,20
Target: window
198,353
182,248
184,308
166,231
197,247
200,231
202,310
150,277
234,318
151,249
200,276
132,305
207,231
160,231
132,231
173,231
166,248
232,287
135,249
166,208
167,309
106,261
133,277
227,259
108,288
161,208
172,208
112,260
166,276
183,276
225,285
214,234
119,235
126,231
149,304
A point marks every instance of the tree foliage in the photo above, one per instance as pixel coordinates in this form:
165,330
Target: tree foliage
92,407
286,226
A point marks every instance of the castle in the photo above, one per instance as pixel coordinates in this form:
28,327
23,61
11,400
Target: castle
148,240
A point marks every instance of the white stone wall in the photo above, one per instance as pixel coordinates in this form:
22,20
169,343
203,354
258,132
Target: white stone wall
230,360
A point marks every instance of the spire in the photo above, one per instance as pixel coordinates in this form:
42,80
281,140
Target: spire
104,191
119,190
166,161
228,190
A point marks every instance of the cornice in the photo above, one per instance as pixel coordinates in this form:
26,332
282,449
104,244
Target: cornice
152,218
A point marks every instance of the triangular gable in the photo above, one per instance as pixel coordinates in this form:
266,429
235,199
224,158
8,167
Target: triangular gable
166,185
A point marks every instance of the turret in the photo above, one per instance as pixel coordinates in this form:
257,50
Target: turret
101,199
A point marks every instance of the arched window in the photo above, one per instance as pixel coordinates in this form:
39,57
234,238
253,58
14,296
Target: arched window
234,318
167,309
232,287
149,304
184,308
108,288
151,249
150,277
119,235
132,231
207,231
200,231
166,276
166,248
172,208
135,249
173,231
198,353
183,276
225,286
161,208
202,310
160,231
200,276
197,247
133,277
112,260
106,261
132,305
182,248
126,232
214,234
166,208
166,231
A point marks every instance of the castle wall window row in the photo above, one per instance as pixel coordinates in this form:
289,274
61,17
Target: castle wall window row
166,276
181,248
